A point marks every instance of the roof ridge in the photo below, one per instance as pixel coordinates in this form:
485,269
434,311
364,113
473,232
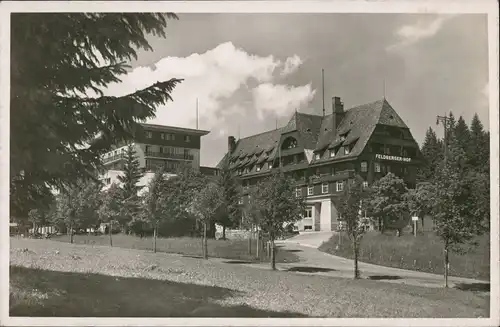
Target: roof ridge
254,135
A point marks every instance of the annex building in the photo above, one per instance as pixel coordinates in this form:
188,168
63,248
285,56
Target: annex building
156,146
322,152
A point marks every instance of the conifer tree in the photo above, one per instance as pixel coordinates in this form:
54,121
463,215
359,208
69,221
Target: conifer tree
462,134
62,121
479,152
432,150
230,212
132,174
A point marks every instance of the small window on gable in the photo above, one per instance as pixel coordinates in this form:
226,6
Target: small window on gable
317,156
364,166
258,168
324,188
332,153
340,186
347,150
298,192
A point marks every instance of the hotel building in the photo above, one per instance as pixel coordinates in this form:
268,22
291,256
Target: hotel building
323,152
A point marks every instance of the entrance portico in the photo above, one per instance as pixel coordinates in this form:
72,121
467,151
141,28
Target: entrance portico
321,215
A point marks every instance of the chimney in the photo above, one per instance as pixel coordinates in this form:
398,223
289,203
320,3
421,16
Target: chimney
337,112
231,143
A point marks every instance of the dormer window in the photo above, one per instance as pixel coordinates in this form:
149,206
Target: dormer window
149,135
317,156
332,153
258,168
347,150
289,143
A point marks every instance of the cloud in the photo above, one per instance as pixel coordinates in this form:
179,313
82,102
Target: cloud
413,33
291,65
280,99
229,84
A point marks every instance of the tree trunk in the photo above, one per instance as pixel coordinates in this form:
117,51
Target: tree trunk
34,229
110,231
273,253
400,231
223,232
205,243
71,233
250,241
257,250
155,232
446,266
423,223
356,255
380,226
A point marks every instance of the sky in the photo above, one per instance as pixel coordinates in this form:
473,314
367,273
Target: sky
251,71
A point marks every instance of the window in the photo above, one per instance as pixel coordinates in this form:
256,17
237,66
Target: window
240,201
298,192
387,150
364,166
149,135
310,190
147,148
308,213
340,186
332,153
365,184
404,153
316,156
377,167
187,138
309,227
162,135
258,168
324,188
346,150
333,171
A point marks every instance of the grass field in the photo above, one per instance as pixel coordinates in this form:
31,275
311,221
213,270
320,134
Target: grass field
228,249
422,253
57,279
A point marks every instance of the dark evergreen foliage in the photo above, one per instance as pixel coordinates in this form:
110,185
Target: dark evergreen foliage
59,129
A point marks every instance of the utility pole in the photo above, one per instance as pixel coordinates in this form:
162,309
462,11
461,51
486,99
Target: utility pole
323,89
445,121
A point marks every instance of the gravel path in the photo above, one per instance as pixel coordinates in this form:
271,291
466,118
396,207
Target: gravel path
319,296
343,267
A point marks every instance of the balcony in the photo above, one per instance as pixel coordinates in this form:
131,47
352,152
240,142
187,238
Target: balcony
113,158
181,156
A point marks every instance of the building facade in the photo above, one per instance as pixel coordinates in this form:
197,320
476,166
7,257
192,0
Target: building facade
156,146
323,152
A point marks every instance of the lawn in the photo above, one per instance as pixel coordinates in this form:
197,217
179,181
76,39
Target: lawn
228,249
58,279
422,253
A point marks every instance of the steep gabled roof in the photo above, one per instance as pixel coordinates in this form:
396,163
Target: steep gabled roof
316,132
357,125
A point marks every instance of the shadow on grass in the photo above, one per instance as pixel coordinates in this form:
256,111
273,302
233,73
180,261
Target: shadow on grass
44,293
240,262
310,269
473,287
384,277
293,251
